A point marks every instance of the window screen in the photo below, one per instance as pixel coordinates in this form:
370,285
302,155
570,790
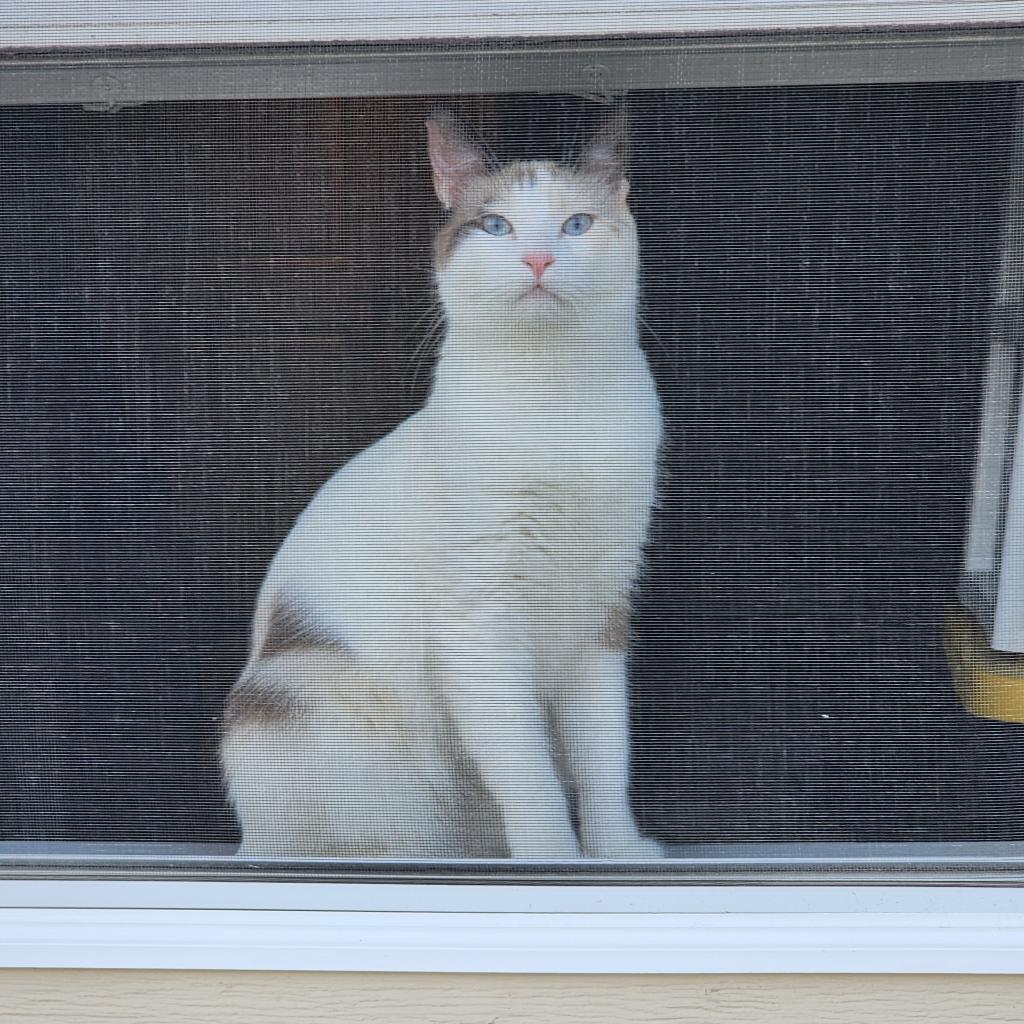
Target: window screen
208,307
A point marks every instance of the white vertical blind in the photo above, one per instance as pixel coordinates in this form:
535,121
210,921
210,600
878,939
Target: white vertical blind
995,539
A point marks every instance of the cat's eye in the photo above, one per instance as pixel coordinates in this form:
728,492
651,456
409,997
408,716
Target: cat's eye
577,224
495,224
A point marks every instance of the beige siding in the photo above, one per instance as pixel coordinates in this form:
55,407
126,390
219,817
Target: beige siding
197,997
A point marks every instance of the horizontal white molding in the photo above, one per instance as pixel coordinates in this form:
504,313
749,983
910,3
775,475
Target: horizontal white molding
513,942
517,929
77,24
482,898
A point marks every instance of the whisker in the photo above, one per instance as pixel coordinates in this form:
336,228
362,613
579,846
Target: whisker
429,313
427,336
644,322
671,355
425,348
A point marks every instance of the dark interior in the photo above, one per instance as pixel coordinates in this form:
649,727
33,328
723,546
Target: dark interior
207,307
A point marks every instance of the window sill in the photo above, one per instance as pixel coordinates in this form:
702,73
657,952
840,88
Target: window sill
556,929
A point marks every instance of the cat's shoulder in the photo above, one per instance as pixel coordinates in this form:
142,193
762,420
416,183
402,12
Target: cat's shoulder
392,460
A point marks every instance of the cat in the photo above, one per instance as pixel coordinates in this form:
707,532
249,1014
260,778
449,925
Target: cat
438,651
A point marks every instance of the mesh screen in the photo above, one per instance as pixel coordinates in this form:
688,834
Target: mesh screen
209,307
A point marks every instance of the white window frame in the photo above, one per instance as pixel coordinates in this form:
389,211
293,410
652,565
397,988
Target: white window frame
46,24
549,929
964,916
724,908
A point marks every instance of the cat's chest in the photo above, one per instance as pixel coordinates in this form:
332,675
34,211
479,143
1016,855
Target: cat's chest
549,477
601,444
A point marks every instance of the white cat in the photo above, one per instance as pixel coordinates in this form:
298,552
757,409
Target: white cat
438,661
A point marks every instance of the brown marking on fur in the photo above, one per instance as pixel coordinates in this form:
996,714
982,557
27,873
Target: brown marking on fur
615,635
482,193
261,697
453,230
287,630
276,690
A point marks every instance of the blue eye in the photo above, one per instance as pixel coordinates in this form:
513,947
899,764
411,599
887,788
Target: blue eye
577,224
495,225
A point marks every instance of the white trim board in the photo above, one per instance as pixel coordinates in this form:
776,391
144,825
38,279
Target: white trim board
513,943
512,929
48,24
482,898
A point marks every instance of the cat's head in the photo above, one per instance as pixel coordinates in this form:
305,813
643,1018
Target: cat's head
534,241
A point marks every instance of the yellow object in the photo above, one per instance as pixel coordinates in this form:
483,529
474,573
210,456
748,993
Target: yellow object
990,683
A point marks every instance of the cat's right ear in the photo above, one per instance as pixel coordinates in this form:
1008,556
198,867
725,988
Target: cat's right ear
455,160
606,155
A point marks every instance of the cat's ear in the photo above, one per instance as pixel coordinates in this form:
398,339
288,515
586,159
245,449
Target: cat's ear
606,155
455,160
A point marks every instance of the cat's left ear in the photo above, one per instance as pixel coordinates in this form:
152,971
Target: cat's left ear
455,160
606,155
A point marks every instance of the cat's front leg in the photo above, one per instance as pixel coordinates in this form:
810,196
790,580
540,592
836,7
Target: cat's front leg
489,682
592,715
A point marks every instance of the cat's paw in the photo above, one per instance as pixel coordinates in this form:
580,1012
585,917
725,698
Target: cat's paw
629,848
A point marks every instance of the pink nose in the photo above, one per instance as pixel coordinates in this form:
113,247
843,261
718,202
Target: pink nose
538,262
